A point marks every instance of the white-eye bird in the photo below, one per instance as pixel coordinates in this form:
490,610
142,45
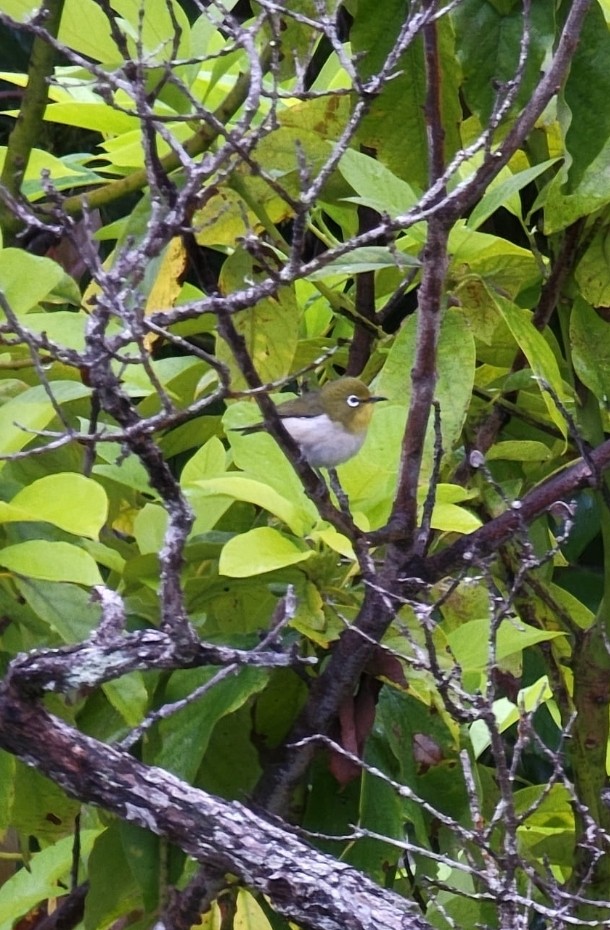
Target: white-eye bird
328,425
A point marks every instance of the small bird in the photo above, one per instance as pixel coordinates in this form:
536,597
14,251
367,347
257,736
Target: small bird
329,425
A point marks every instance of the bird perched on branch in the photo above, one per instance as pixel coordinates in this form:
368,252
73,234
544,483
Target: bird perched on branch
328,425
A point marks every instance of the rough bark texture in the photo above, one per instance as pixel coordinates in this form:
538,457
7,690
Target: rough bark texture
307,887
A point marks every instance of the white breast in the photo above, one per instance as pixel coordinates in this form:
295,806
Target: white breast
324,443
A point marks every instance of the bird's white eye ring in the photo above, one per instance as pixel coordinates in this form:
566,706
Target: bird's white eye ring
353,401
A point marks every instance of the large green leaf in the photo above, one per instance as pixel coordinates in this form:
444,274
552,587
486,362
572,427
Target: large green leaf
99,117
469,643
70,501
593,271
505,267
237,487
51,561
507,714
547,833
209,461
394,125
128,695
65,607
26,279
488,43
64,327
367,258
260,458
260,550
113,890
376,186
185,735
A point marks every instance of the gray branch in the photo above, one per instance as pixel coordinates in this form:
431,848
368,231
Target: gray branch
311,889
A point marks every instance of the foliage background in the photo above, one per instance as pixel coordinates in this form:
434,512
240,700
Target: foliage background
207,206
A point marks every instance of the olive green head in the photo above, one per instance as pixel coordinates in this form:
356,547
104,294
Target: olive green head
346,401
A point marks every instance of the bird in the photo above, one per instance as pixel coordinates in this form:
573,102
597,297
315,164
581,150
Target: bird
328,425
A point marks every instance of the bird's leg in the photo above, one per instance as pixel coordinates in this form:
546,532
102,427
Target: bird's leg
340,494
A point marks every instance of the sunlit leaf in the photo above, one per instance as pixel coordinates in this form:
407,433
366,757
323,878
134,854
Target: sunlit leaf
260,550
74,503
51,561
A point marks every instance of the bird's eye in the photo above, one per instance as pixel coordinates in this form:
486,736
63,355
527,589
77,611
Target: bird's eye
353,401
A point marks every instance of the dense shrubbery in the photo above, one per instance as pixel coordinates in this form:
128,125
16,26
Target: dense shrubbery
237,204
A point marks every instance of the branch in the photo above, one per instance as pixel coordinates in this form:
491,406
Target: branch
539,500
89,664
309,888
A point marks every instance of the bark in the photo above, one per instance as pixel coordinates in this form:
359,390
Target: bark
305,886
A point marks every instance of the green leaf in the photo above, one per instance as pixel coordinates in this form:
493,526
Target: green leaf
129,696
208,462
376,186
488,44
582,185
367,258
524,450
28,887
540,357
99,116
449,518
548,831
394,125
370,477
593,271
381,810
590,339
270,328
586,94
469,643
249,915
149,527
113,891
260,458
62,326
578,612
506,268
499,195
142,854
41,808
335,541
31,411
65,607
231,764
240,488
260,550
7,789
68,500
27,279
507,713
185,736
51,561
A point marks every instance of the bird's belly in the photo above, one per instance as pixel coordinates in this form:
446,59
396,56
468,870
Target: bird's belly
323,442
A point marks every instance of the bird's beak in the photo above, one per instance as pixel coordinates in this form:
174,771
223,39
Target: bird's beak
375,400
